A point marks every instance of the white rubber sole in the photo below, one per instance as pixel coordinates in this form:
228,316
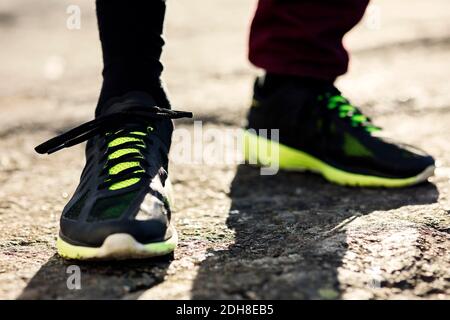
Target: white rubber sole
119,246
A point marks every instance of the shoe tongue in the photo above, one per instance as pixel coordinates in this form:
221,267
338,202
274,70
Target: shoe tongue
125,102
163,129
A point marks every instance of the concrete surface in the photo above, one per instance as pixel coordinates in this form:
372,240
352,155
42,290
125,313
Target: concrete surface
243,236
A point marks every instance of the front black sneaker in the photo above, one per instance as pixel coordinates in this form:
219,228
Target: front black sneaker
321,131
121,207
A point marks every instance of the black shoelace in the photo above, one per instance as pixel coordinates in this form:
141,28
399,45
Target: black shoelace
103,124
132,125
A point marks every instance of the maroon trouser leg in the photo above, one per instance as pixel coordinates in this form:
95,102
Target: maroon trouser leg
303,37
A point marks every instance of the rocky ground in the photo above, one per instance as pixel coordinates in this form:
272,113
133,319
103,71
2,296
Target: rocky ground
243,236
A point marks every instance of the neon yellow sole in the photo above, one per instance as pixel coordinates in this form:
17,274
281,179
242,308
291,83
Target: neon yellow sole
292,159
118,246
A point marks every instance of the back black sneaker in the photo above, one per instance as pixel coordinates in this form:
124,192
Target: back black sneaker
121,207
321,131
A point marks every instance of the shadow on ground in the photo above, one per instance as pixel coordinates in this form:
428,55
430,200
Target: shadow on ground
288,244
288,237
99,280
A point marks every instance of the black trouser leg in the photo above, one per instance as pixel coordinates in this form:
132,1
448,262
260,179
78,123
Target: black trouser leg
130,35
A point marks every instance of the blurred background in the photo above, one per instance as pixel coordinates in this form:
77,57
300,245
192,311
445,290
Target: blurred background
50,76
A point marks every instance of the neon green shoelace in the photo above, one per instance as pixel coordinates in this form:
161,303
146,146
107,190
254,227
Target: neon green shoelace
135,137
346,110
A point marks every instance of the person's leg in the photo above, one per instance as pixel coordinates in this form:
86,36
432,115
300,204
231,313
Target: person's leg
303,37
121,207
299,45
130,35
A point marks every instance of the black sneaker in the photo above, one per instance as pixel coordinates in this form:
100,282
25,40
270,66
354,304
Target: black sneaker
121,208
323,132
